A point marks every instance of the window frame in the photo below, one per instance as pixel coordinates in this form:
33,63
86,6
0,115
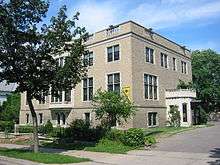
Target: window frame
113,84
153,87
87,89
184,69
149,55
164,63
113,53
152,119
185,117
86,60
174,64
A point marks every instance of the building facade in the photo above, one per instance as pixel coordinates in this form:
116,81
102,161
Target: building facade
5,90
124,57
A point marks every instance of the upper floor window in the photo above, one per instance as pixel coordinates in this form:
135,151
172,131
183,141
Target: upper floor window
42,98
174,64
87,89
149,55
150,87
56,96
183,67
67,96
114,82
88,59
113,53
40,118
163,60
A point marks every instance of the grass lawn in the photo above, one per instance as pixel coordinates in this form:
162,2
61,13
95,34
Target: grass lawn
159,132
110,147
41,157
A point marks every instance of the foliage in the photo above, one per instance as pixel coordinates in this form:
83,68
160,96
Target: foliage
184,85
110,146
48,127
174,116
202,115
112,107
25,129
41,157
134,137
149,140
6,125
28,49
206,78
114,135
10,108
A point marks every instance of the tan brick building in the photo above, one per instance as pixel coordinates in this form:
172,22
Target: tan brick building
124,56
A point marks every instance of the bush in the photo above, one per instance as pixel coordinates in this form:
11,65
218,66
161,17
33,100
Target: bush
6,126
174,115
133,137
25,129
48,127
149,140
114,135
203,116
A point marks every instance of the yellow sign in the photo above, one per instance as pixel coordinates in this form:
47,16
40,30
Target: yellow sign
127,91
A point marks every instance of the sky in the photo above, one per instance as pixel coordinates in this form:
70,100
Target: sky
192,23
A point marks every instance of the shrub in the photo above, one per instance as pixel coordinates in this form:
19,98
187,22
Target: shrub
6,126
133,137
149,140
174,116
114,135
203,116
25,129
48,127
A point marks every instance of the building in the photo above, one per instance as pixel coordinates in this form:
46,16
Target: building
124,57
5,90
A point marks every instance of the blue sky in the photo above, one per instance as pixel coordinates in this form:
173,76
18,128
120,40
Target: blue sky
193,23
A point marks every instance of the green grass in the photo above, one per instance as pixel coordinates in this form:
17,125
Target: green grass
110,147
41,157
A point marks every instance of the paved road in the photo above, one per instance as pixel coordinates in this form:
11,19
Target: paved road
203,140
196,147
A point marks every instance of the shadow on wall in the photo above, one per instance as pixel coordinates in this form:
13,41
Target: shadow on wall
215,153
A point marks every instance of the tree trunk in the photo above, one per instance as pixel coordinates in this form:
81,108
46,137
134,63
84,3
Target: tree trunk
35,125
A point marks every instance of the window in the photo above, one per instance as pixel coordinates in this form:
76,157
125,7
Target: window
63,119
60,61
150,87
113,53
58,119
150,55
42,98
184,112
87,89
152,119
114,82
56,96
163,60
27,118
67,96
174,64
87,118
88,59
183,67
40,118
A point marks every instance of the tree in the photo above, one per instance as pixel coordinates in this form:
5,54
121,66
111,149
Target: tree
112,107
11,108
28,51
174,116
185,85
206,78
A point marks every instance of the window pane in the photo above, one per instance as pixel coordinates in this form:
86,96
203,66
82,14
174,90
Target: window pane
110,79
110,54
146,79
117,78
165,60
146,91
149,119
116,52
117,88
155,92
84,94
90,93
154,118
90,82
147,55
84,83
110,87
161,60
151,56
184,112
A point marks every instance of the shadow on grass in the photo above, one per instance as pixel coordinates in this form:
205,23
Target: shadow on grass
215,153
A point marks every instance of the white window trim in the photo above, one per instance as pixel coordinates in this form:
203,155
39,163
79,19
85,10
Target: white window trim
157,119
154,62
106,53
93,86
106,79
148,91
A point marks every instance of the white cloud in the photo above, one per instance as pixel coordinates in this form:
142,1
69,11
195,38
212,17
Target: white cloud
97,15
169,13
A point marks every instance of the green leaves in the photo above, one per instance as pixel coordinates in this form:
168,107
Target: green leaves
206,77
112,107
